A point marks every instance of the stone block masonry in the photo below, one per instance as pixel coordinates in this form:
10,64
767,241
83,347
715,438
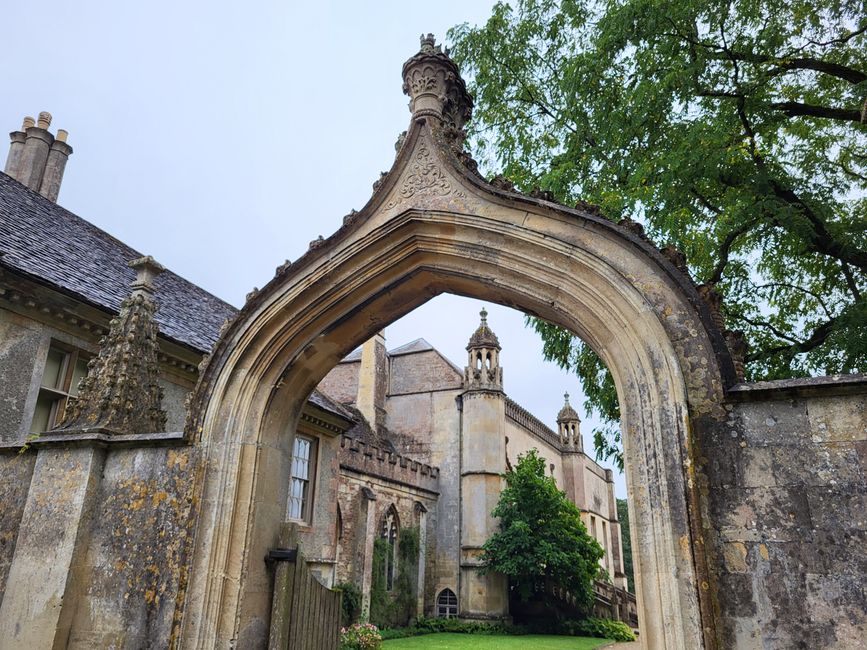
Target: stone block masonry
789,503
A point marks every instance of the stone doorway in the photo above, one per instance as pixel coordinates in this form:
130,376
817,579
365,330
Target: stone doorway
433,226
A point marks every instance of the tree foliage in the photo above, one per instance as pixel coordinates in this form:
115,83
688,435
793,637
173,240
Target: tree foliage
735,130
626,541
541,534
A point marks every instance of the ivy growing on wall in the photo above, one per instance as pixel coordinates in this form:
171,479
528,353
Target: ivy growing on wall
395,608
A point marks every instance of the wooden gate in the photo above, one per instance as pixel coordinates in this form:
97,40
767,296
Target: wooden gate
305,614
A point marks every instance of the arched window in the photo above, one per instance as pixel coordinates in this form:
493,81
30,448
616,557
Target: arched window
390,530
339,526
447,604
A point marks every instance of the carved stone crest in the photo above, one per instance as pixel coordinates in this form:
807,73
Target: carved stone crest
425,177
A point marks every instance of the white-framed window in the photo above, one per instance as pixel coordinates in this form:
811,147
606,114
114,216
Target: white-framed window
65,367
447,604
303,471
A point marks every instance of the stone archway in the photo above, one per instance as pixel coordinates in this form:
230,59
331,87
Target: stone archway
434,225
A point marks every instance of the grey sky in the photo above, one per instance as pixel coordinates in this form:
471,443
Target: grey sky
222,137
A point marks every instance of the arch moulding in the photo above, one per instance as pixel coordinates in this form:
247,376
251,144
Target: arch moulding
433,225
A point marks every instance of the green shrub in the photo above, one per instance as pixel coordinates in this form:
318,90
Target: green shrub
350,603
602,628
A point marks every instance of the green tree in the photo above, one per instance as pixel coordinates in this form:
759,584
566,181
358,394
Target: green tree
626,541
541,534
733,129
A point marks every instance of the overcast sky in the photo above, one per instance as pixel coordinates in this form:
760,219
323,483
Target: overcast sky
222,137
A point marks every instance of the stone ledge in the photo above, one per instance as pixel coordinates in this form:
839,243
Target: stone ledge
826,386
100,438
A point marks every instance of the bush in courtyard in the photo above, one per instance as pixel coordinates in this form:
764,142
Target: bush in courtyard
602,628
360,636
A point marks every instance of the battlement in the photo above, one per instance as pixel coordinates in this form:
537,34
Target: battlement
357,455
534,425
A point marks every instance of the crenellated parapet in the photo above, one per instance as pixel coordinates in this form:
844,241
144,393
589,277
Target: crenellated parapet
372,460
531,423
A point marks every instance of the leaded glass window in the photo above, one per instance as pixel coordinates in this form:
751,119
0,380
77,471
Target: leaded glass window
447,604
303,466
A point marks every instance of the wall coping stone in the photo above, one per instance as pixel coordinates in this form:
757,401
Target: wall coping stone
825,386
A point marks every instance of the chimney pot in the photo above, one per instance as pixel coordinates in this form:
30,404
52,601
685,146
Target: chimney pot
36,158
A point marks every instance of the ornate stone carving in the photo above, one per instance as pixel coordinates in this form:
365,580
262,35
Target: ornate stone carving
674,255
434,85
502,183
351,217
632,226
285,266
424,177
121,392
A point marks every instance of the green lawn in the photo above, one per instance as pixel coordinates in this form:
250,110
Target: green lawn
486,642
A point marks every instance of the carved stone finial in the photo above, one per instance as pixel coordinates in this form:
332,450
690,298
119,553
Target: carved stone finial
146,268
428,44
484,336
121,392
434,85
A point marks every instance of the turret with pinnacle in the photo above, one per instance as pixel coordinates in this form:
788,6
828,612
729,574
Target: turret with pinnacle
569,427
483,371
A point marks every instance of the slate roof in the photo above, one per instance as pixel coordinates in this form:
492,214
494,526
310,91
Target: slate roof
419,345
323,401
51,245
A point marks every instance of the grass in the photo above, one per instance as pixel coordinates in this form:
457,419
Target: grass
447,641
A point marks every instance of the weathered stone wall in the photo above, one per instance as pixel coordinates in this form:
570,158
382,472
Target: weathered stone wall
789,503
15,472
341,383
422,372
136,559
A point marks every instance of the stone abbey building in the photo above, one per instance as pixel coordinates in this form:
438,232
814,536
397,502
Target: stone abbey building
154,509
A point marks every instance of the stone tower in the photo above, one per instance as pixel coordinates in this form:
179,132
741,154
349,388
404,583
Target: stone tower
483,460
574,459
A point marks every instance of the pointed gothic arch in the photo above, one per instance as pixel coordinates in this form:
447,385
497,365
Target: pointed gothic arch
389,530
432,226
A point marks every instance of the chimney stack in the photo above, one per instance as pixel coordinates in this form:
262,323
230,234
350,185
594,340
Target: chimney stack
37,158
